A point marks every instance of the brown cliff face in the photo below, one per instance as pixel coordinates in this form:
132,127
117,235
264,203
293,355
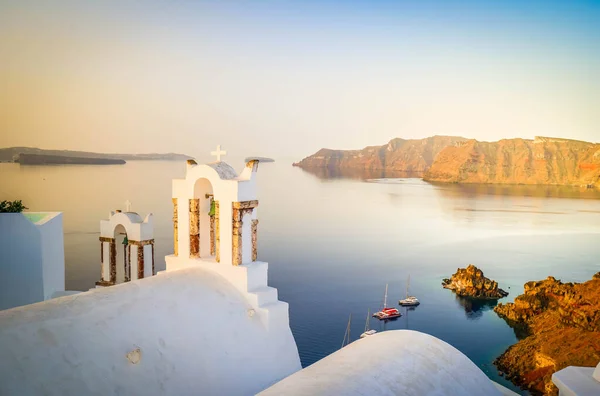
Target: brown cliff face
413,155
470,282
451,159
519,161
560,323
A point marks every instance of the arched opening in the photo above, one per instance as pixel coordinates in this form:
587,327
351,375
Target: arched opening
202,221
122,262
247,238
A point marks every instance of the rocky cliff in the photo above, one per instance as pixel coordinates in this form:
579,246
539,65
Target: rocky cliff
412,155
452,159
470,282
519,161
559,324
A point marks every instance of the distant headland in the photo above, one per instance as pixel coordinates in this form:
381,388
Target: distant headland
43,159
36,156
454,159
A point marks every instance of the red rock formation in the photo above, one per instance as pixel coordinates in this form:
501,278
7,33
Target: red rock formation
470,282
519,161
560,326
454,159
413,155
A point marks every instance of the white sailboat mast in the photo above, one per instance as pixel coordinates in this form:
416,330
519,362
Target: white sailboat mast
346,340
407,286
385,297
349,320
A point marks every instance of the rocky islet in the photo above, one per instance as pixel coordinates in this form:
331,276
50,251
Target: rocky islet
470,282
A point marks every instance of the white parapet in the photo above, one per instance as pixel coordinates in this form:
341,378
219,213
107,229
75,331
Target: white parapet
577,381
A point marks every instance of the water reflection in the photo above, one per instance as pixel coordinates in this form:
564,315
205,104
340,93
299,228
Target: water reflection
510,207
455,190
387,324
406,314
360,174
539,191
474,308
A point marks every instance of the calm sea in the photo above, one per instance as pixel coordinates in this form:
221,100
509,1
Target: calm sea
334,241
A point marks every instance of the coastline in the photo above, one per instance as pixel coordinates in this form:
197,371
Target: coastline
377,175
44,159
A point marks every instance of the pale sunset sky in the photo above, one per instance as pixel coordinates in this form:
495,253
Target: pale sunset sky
285,78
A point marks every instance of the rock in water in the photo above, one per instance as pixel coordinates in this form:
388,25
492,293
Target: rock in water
470,282
559,326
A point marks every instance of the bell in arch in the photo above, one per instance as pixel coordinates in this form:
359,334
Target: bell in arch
212,207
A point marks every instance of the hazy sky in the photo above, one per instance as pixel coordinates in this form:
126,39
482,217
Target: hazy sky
285,78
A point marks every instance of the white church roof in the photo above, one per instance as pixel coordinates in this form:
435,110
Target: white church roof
398,362
184,332
134,217
224,170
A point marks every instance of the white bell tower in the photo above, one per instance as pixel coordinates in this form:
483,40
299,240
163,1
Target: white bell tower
215,225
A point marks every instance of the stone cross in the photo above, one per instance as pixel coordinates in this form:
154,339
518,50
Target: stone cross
218,153
127,206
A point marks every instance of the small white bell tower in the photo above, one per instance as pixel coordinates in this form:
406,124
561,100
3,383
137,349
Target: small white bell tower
127,231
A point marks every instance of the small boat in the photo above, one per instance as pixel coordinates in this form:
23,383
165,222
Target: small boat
387,313
346,340
409,301
367,331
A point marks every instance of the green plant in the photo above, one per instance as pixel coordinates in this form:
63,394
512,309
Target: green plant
12,206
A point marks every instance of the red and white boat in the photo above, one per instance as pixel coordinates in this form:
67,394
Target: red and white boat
387,313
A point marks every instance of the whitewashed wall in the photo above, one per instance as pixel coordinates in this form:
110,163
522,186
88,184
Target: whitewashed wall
186,332
32,259
22,280
53,255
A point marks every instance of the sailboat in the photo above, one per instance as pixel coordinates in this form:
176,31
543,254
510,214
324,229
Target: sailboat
409,301
367,331
387,313
346,340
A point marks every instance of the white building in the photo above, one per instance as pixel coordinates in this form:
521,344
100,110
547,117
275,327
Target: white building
185,332
209,324
32,257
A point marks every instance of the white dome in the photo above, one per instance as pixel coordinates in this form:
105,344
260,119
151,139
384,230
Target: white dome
399,362
195,332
